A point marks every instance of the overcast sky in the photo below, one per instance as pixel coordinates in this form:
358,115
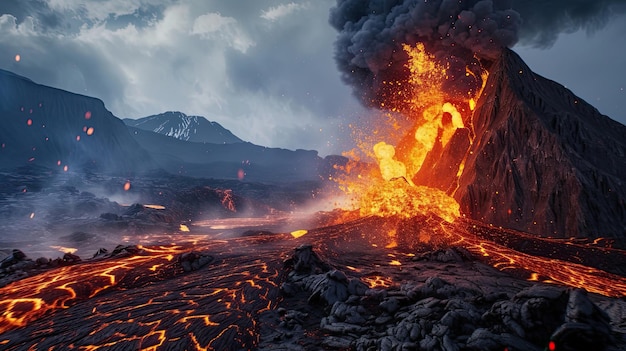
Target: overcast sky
263,69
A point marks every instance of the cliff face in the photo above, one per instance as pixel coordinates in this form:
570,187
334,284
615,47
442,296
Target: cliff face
50,127
543,160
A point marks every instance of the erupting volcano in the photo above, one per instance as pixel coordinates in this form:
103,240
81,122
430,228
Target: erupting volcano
483,209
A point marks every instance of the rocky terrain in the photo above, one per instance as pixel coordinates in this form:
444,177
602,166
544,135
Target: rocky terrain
339,287
542,160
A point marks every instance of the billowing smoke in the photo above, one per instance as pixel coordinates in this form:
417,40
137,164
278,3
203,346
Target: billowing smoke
458,33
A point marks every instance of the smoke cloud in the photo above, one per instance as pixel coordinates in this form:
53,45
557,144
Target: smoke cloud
459,33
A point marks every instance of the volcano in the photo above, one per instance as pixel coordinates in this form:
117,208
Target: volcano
544,161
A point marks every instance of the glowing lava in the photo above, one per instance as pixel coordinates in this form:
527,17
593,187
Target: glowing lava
394,188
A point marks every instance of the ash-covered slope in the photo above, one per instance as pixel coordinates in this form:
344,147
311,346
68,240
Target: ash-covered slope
189,128
543,160
50,127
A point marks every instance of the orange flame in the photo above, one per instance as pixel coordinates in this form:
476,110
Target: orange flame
391,190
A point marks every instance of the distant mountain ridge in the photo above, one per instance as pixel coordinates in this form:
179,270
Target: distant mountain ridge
183,127
52,129
48,127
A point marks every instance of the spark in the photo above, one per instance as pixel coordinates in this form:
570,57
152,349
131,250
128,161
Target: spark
18,58
184,228
298,233
64,249
32,215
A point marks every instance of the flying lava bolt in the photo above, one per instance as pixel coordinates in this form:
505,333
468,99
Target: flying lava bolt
127,186
88,115
18,58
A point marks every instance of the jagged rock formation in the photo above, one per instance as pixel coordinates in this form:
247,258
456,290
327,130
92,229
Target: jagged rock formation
50,127
189,128
542,160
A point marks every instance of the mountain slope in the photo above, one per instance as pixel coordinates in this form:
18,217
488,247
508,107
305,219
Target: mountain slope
207,160
188,128
50,127
543,161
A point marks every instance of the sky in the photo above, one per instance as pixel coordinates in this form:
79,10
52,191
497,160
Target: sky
262,69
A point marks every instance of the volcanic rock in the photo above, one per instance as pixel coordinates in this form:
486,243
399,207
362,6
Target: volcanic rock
543,160
192,261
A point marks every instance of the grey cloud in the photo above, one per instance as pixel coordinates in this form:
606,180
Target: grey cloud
37,9
293,59
543,21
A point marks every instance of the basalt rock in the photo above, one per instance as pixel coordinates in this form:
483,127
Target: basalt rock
543,160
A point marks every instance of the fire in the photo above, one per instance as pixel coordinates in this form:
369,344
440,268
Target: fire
395,189
298,233
64,249
377,281
154,207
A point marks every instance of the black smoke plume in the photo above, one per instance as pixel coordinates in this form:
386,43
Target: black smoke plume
459,33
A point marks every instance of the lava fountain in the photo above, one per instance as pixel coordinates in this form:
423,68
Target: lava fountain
439,125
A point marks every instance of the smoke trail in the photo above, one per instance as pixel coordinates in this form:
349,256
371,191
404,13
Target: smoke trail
369,50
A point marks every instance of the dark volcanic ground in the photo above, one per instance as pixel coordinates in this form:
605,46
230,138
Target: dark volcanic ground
349,286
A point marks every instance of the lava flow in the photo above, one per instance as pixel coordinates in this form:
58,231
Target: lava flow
410,181
146,301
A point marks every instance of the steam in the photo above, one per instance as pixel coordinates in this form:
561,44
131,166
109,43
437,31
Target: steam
459,33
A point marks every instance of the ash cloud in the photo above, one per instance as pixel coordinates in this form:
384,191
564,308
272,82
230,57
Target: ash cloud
368,49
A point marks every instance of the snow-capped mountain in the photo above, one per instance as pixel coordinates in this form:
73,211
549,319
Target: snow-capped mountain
188,128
